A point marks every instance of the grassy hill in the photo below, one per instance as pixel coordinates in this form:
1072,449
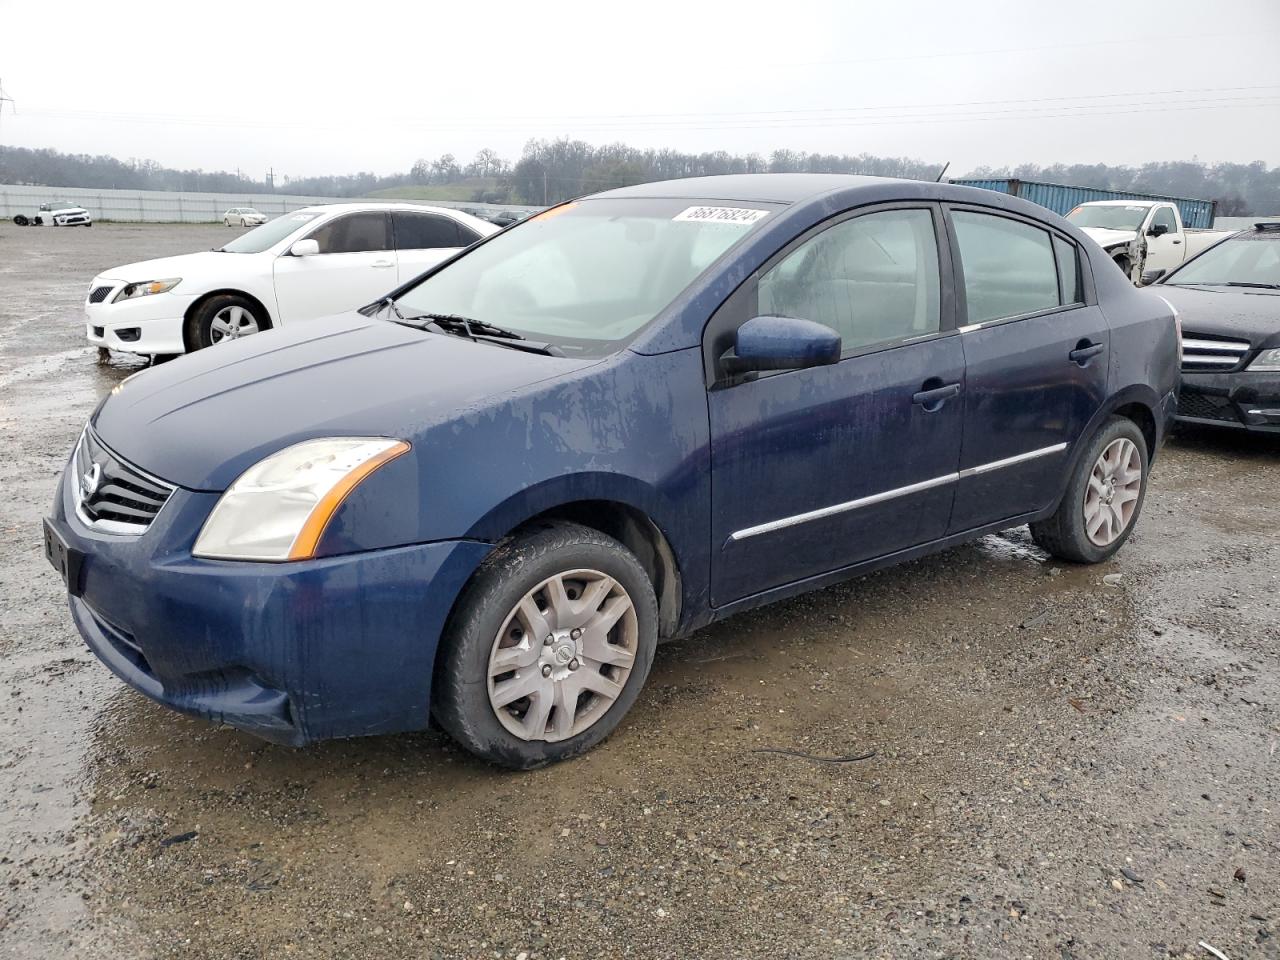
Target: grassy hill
463,191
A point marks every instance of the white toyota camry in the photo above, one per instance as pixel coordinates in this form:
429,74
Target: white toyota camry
310,263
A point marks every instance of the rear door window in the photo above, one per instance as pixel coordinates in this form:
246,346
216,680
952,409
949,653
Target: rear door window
354,233
1010,268
425,231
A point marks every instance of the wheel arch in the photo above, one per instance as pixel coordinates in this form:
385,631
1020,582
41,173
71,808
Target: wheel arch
204,298
1138,403
636,531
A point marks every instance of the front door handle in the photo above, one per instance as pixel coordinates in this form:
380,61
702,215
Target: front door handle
383,264
1176,242
933,398
1085,351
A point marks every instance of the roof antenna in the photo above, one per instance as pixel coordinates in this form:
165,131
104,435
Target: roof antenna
943,172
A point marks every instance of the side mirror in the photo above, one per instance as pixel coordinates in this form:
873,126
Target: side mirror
1151,276
782,343
305,248
1158,230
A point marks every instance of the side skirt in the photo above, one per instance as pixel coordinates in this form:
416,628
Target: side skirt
797,587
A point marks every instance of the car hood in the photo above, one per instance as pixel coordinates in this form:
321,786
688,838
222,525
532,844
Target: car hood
1109,238
183,265
1237,312
65,210
203,419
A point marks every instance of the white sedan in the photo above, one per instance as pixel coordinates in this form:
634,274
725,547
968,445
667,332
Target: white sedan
245,216
310,263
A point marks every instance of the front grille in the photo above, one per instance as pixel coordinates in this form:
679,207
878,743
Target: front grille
1205,406
112,493
1201,354
98,294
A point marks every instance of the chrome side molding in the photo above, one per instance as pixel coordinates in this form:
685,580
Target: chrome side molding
886,495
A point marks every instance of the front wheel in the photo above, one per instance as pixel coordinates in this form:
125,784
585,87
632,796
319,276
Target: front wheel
548,649
1104,497
221,318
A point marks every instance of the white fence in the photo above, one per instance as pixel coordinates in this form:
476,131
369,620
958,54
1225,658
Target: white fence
157,206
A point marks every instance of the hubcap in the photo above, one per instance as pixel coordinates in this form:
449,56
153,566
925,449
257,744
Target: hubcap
231,323
1112,495
563,656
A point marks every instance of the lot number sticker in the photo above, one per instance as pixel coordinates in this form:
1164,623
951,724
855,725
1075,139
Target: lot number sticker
734,215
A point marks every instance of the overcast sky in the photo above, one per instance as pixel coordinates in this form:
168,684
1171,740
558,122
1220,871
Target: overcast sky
333,88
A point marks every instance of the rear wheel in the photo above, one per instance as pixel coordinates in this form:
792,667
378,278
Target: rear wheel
1104,497
548,649
221,318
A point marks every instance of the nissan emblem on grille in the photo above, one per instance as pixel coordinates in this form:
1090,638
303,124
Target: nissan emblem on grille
89,482
114,495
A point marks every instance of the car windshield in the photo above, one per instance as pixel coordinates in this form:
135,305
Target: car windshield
589,275
1251,259
1109,218
269,234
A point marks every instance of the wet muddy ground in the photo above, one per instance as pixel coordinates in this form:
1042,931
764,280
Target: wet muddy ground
1070,762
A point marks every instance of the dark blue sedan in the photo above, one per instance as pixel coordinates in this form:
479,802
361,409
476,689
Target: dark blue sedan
487,497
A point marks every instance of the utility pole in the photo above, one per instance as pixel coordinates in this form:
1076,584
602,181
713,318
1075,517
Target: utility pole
5,98
544,186
271,179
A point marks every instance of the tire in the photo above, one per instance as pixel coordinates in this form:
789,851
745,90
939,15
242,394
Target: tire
243,223
21,220
1123,263
490,621
1067,534
215,319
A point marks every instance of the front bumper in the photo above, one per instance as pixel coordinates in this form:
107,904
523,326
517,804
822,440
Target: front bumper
148,325
1239,400
338,647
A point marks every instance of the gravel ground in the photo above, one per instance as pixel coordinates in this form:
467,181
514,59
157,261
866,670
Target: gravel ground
1070,762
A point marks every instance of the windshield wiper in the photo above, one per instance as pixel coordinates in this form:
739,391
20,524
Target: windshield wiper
468,327
1260,286
478,331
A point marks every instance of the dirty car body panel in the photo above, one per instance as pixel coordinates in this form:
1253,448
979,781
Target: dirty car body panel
755,486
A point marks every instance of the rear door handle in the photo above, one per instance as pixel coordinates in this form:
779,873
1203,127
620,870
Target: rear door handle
933,399
383,264
1177,241
1085,351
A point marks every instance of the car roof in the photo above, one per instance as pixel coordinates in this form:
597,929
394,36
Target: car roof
380,205
759,187
1124,203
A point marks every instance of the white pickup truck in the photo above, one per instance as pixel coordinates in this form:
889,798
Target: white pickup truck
1145,238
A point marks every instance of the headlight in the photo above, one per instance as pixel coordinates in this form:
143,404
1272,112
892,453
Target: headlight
145,289
278,508
1268,361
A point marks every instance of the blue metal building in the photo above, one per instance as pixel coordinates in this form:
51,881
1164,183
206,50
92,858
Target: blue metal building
1062,199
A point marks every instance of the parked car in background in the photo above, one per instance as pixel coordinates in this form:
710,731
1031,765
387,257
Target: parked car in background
306,264
1229,301
504,218
244,216
487,496
1142,236
58,213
